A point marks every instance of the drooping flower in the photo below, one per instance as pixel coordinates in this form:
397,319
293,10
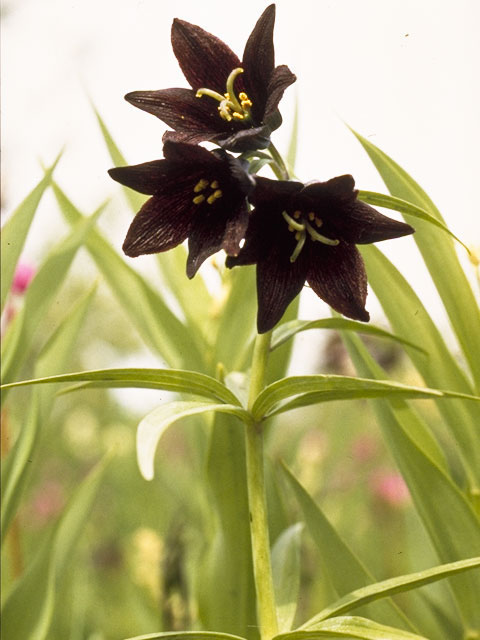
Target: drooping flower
196,194
301,233
233,103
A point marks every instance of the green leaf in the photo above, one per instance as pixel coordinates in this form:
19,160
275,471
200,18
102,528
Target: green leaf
408,317
291,156
286,574
134,199
236,328
392,586
158,326
188,635
41,585
154,425
344,570
397,204
227,560
351,627
288,330
439,256
323,388
448,517
40,295
15,230
56,353
166,379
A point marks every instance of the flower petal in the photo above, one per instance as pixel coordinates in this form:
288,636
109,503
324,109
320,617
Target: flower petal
281,78
205,60
337,275
179,109
362,224
279,281
274,194
259,61
212,230
145,177
161,224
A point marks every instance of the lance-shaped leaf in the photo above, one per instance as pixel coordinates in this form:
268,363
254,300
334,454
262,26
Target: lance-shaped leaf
158,326
390,587
350,627
188,635
288,330
439,256
55,354
286,574
154,425
40,294
166,379
15,230
41,585
446,513
440,369
345,571
323,388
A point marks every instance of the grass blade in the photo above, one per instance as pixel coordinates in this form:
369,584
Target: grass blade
15,230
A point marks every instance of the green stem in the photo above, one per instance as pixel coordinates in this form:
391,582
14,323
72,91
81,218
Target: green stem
279,168
256,498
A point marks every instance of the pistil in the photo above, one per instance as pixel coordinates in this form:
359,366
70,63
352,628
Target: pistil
302,228
230,106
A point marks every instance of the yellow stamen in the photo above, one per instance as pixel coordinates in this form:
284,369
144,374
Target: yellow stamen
198,199
297,214
311,216
200,186
238,116
290,228
215,196
318,222
298,235
214,184
242,95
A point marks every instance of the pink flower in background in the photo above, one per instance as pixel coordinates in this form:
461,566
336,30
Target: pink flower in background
390,487
22,278
365,448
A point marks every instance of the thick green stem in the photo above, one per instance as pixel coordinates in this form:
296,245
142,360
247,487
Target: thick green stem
256,498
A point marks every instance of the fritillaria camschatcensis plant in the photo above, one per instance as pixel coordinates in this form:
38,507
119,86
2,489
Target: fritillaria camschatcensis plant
294,233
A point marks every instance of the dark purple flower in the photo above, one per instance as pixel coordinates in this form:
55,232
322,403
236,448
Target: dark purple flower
196,194
232,102
301,233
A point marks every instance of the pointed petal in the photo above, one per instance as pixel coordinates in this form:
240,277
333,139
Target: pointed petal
259,61
362,224
278,282
274,194
281,78
179,109
184,153
339,188
205,60
161,224
338,277
189,137
255,244
145,177
213,229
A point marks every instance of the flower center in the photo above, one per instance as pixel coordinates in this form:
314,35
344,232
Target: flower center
230,107
211,191
301,224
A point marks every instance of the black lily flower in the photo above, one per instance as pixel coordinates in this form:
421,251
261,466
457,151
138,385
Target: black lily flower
301,233
196,194
231,103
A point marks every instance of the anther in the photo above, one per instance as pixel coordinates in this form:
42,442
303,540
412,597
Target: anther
214,184
311,216
215,195
297,214
198,199
201,185
293,223
318,222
